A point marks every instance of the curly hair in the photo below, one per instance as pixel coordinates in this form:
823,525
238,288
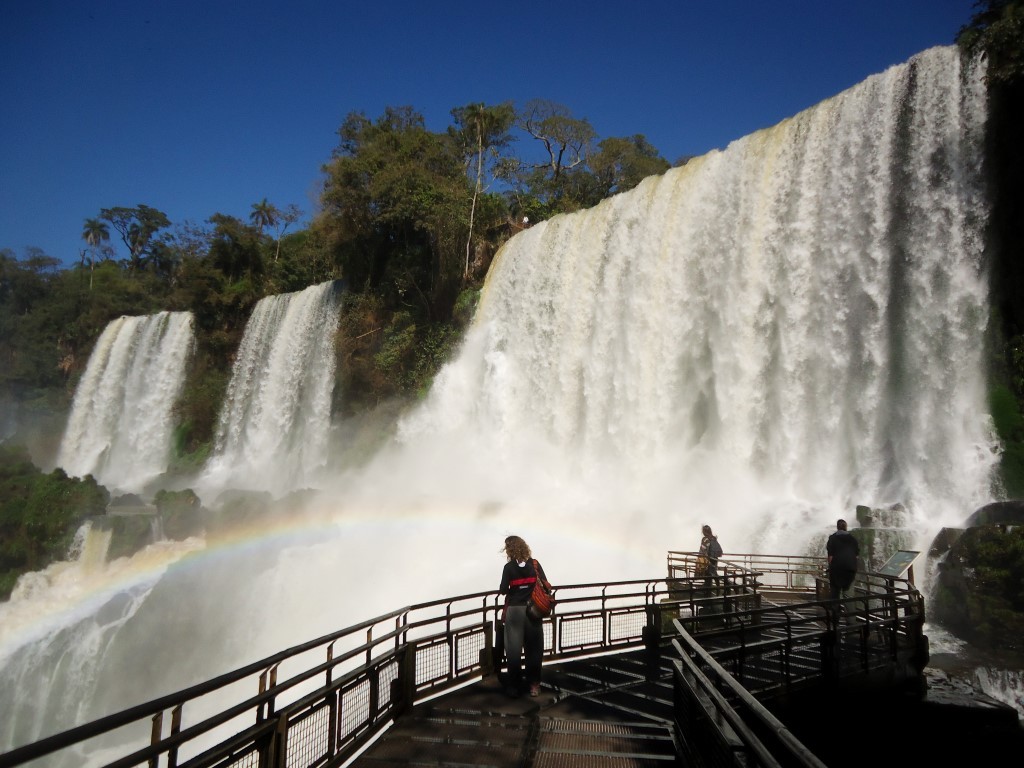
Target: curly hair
517,549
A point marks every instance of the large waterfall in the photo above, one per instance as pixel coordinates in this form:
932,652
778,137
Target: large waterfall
120,427
763,338
275,421
759,340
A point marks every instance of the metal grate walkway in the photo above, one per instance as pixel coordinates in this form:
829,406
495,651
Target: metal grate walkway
590,714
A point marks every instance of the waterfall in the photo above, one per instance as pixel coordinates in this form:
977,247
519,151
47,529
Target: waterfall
760,340
120,427
90,546
274,424
763,338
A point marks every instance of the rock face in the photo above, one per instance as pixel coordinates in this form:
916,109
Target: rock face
979,592
882,532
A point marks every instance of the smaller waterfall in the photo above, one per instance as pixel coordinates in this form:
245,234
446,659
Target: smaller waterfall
120,426
274,424
90,547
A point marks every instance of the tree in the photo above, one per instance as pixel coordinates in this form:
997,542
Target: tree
136,226
561,181
285,218
95,233
235,248
393,207
263,214
567,140
481,131
997,29
621,163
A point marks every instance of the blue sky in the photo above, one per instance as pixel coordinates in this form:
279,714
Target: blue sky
198,108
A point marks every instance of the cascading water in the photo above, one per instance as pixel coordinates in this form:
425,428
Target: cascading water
120,427
759,340
275,421
765,337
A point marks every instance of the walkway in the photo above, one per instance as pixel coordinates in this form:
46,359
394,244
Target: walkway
596,712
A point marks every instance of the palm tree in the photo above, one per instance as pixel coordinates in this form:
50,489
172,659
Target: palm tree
94,232
263,214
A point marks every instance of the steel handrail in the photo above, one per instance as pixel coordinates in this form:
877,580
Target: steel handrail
403,630
405,627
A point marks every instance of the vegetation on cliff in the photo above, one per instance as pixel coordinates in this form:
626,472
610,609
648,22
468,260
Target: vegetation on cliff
980,593
996,31
39,514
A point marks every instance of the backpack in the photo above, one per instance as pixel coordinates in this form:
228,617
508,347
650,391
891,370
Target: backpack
714,549
542,601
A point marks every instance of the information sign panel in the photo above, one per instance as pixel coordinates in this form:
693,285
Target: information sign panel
898,564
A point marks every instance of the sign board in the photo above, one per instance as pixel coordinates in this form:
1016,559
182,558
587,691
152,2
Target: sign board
898,564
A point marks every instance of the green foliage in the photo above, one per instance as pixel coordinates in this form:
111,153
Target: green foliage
137,227
997,557
395,202
398,346
622,163
997,30
39,514
49,320
465,306
181,513
235,249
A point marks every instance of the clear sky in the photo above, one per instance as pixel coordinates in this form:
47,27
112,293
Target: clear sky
202,107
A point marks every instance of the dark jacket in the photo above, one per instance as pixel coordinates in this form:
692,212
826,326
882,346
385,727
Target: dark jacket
517,581
843,548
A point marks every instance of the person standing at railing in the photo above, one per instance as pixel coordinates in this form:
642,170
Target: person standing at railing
519,575
842,550
710,551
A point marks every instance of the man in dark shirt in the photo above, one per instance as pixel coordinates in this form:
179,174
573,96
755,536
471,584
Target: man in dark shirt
842,549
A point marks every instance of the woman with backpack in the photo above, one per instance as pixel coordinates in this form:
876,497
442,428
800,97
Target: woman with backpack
519,575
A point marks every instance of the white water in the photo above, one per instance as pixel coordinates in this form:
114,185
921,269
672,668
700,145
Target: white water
121,426
275,422
762,339
759,340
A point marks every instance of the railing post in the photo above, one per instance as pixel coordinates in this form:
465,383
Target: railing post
155,734
407,677
652,640
829,643
487,652
172,753
276,754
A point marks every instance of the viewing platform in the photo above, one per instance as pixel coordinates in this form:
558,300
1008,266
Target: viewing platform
751,668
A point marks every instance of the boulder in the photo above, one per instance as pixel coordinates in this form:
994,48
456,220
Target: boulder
979,591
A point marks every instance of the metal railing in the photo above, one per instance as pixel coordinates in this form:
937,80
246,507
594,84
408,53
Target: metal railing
733,652
320,702
778,573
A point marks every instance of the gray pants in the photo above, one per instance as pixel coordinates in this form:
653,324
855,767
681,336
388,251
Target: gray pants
522,632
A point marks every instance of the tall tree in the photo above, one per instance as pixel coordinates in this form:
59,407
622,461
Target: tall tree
561,180
95,233
481,132
567,140
263,214
285,219
136,226
235,248
621,163
392,204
